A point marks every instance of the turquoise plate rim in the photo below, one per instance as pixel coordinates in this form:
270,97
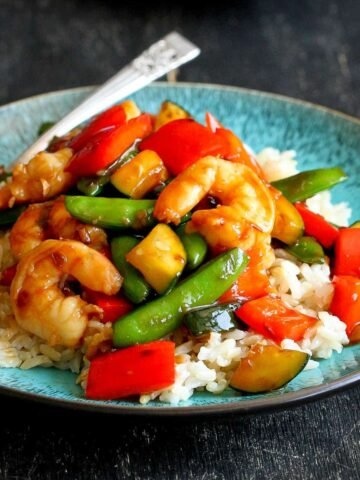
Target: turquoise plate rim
288,399
245,406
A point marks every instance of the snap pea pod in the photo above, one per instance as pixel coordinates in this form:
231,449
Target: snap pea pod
164,314
303,185
92,186
307,250
214,318
118,213
195,247
135,286
9,216
355,224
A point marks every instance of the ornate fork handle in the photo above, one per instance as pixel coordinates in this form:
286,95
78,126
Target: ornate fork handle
163,56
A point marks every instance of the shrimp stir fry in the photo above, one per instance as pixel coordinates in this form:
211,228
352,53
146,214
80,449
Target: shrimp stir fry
42,178
51,220
246,204
181,216
39,304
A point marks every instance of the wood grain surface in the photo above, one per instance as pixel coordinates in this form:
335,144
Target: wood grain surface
305,49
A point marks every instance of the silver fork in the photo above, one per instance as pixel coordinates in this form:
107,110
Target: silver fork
163,56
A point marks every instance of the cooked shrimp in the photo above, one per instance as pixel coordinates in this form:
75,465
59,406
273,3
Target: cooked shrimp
40,306
42,178
30,229
51,220
65,227
246,204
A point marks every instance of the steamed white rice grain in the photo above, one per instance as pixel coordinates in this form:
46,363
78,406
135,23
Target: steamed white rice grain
277,165
338,214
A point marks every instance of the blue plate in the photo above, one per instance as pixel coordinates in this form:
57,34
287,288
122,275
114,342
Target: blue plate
321,137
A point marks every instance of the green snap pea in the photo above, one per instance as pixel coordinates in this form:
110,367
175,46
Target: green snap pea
195,246
9,216
307,250
355,224
214,318
92,186
165,314
134,286
303,185
118,213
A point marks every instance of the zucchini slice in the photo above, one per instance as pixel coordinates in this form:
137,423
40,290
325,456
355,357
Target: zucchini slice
170,111
266,368
213,318
140,175
160,257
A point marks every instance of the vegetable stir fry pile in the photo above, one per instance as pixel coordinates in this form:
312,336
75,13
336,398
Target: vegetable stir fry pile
156,223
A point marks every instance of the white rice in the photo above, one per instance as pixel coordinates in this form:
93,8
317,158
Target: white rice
206,363
321,203
277,165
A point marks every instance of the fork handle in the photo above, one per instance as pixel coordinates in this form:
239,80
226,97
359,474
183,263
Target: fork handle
163,56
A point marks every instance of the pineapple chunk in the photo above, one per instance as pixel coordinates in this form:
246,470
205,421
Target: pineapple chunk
160,257
140,175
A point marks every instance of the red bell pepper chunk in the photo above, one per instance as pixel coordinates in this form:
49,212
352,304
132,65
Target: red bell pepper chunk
250,285
108,120
7,276
236,152
316,226
273,319
132,371
113,307
107,146
253,283
346,301
182,142
212,123
347,252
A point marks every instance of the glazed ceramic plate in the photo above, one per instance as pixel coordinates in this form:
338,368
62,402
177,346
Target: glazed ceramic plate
320,137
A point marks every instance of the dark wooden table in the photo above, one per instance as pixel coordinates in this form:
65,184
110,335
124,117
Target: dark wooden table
306,49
